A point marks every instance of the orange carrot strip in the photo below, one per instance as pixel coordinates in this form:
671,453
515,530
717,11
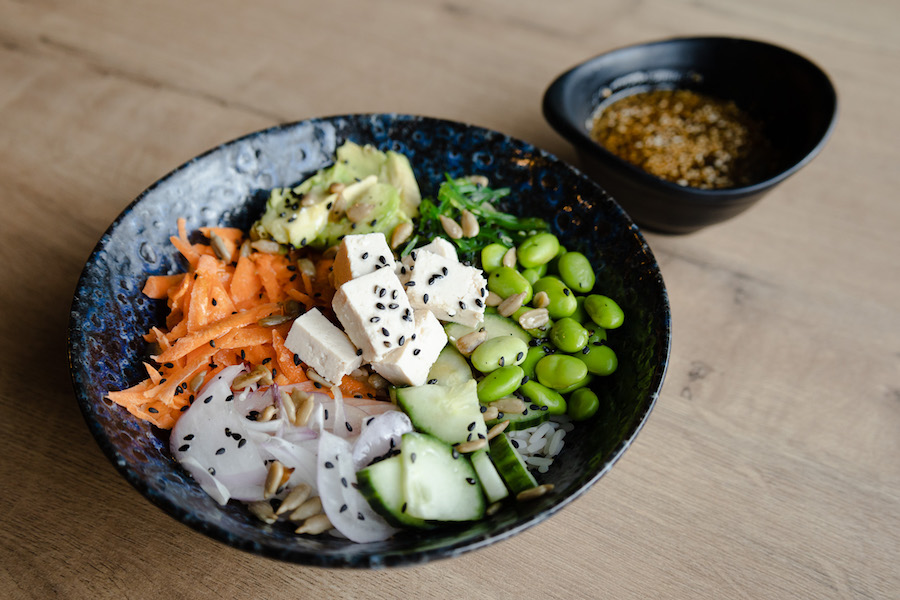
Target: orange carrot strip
289,363
215,330
302,298
245,283
158,286
267,275
353,387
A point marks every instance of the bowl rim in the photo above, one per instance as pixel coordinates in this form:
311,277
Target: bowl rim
566,126
371,560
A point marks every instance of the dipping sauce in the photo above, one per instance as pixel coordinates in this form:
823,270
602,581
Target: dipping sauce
685,137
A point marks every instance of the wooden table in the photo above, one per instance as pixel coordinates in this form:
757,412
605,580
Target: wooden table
770,467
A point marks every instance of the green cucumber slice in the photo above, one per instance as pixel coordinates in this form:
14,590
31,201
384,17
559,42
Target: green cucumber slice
529,418
450,413
439,484
381,484
510,465
450,368
494,325
490,479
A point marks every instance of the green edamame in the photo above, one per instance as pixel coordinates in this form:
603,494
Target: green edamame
499,383
559,371
506,282
583,404
580,314
583,382
562,301
576,272
599,360
498,352
604,311
568,335
553,265
492,257
531,275
541,395
534,354
537,250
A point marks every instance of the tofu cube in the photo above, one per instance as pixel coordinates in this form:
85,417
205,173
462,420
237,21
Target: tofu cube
360,255
449,289
375,312
323,346
438,245
409,365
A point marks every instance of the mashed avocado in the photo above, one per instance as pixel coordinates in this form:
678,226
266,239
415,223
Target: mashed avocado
364,191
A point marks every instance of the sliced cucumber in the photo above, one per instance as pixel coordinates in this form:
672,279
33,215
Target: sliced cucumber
439,484
529,418
450,368
510,465
490,479
382,485
494,325
450,413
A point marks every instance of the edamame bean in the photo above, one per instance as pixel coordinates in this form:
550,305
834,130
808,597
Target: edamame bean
584,381
506,282
580,314
599,360
544,396
568,335
562,301
576,271
559,371
499,383
531,275
604,311
553,265
497,352
582,405
537,250
492,257
534,354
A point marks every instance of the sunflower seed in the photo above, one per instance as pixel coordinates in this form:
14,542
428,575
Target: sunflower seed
197,381
479,180
311,506
509,259
297,496
266,246
273,320
469,223
360,212
535,492
307,267
266,415
467,343
263,511
273,479
511,304
451,227
497,429
537,317
290,409
510,404
471,446
219,247
491,413
493,509
493,299
315,525
336,188
401,234
541,300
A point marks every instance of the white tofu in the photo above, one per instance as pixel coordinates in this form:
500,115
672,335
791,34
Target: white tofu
438,246
409,365
449,289
360,255
375,312
323,346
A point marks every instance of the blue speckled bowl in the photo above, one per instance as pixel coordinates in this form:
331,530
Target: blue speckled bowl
220,187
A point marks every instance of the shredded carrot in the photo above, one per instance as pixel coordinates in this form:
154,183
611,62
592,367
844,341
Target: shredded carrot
214,322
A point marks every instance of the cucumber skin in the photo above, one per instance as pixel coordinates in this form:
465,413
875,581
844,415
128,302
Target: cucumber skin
510,465
368,481
529,418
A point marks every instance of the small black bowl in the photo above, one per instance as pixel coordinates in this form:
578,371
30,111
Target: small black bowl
790,96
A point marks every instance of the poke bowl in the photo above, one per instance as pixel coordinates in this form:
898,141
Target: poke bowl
226,187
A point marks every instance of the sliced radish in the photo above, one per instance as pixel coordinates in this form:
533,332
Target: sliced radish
380,434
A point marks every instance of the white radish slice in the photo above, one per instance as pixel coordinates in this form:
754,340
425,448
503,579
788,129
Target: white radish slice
213,433
294,457
208,483
380,434
344,505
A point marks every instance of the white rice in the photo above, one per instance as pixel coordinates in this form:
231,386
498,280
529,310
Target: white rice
540,444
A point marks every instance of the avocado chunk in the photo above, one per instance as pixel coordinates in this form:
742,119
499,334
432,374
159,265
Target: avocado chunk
376,191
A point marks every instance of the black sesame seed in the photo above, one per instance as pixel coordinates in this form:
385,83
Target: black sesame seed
454,453
220,451
471,426
365,255
586,350
382,260
369,420
411,283
266,361
349,426
318,385
385,332
483,408
359,351
162,381
360,516
393,306
462,305
207,400
444,270
343,507
297,360
402,340
412,457
524,380
520,356
403,272
382,292
184,408
379,306
212,471
480,436
374,319
478,302
469,438
214,302
515,443
241,443
416,351
344,482
545,408
244,355
502,361
403,508
432,381
184,448
329,465
168,365
229,398
189,437
470,480
394,295
425,299
387,344
303,242
212,343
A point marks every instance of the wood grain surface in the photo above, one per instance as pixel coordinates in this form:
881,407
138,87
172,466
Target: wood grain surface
770,467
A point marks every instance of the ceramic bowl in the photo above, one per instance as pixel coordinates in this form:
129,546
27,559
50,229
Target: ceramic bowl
791,97
225,187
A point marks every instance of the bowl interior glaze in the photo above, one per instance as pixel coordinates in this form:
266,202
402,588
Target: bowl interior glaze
226,185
